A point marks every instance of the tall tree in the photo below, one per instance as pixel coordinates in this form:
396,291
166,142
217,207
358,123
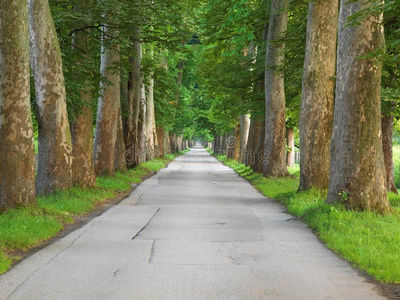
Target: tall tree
134,96
82,125
357,172
108,107
17,158
55,145
275,163
316,115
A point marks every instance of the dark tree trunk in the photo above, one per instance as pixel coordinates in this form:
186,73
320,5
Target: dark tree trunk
55,143
17,156
161,142
357,173
316,115
290,143
387,143
275,121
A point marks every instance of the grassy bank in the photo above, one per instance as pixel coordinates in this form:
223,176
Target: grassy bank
22,229
370,241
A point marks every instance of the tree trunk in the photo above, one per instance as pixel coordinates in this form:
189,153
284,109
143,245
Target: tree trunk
107,112
316,115
151,132
256,145
290,143
17,158
161,141
275,122
387,143
142,126
120,152
167,143
244,136
357,173
83,174
236,149
82,139
55,144
134,96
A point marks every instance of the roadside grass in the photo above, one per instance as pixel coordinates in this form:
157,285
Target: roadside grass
369,241
25,228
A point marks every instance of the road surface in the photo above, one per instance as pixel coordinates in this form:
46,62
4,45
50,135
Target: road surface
196,230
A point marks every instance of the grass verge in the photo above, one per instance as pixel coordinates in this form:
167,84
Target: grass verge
25,228
369,241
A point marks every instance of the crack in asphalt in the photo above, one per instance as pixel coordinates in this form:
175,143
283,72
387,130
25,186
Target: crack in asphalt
144,227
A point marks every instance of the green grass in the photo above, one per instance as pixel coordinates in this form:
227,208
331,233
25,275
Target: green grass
22,229
368,240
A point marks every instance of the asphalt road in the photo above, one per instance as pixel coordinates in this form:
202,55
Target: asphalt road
196,230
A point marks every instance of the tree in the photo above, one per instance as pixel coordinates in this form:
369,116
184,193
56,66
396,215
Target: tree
17,158
316,115
55,144
357,172
108,107
275,164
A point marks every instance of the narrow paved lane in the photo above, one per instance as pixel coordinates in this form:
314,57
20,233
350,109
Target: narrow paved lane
196,230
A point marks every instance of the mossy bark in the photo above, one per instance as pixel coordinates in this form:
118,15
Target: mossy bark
275,159
17,156
357,172
316,115
55,143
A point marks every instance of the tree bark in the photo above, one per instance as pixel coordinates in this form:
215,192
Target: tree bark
55,144
134,96
316,115
142,126
107,112
151,132
357,172
82,139
387,143
82,127
275,158
120,151
290,143
255,147
17,158
244,136
161,141
236,149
